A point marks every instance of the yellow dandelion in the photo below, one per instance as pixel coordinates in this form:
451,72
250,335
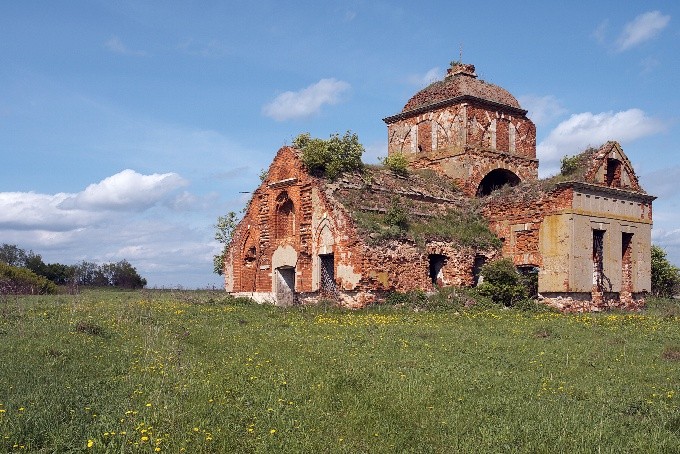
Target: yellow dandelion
145,438
273,431
90,443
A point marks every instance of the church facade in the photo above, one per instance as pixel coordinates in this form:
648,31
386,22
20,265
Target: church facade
586,232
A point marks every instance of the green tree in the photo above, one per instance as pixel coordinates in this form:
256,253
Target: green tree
124,275
502,283
224,231
330,157
12,255
665,276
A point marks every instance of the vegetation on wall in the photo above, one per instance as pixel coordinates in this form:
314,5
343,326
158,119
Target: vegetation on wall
397,163
330,157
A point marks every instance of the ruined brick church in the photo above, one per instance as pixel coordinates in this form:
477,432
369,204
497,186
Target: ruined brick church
471,149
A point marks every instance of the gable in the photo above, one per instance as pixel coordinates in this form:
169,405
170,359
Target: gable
611,167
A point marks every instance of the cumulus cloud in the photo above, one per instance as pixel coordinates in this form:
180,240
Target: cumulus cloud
643,28
306,102
115,45
432,75
587,129
542,109
126,191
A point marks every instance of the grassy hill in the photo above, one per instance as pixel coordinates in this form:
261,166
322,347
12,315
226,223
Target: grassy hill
199,372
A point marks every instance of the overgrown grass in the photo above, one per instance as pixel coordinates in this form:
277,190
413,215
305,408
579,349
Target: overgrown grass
199,372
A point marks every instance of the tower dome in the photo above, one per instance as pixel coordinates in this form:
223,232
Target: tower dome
460,81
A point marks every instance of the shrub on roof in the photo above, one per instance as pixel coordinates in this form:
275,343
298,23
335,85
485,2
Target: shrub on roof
330,157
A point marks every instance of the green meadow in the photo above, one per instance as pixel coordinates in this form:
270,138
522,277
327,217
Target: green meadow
194,372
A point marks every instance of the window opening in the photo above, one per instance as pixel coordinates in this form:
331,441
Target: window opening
327,283
600,280
437,262
613,173
479,262
529,279
626,262
285,216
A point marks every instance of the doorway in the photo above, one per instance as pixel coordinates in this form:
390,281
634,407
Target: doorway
285,286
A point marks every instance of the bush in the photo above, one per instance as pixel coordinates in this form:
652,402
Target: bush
502,283
569,164
665,276
21,281
330,157
397,163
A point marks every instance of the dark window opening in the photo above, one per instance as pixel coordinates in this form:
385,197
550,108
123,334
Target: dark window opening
327,283
626,262
600,280
437,262
479,262
529,279
496,179
613,173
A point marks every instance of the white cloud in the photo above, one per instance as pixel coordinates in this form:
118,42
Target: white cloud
114,44
643,28
432,75
542,109
306,102
125,191
587,129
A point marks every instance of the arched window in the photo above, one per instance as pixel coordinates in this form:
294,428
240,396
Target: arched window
285,216
496,179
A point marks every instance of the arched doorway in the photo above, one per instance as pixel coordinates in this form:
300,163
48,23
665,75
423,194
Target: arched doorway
496,179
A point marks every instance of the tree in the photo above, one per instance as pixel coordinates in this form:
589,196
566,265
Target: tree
224,231
124,275
502,283
12,255
665,276
330,157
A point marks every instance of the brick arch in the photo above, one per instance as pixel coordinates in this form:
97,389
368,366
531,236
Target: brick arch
495,179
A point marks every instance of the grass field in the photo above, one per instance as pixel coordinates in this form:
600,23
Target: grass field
197,372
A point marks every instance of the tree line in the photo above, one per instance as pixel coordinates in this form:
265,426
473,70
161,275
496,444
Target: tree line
119,274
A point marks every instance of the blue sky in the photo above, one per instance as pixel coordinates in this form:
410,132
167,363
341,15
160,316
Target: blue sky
127,128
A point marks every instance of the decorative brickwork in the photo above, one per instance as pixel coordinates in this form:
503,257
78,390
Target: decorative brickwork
470,147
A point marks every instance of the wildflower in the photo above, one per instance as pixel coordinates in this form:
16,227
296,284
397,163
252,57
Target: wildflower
272,431
90,443
148,405
145,438
157,449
